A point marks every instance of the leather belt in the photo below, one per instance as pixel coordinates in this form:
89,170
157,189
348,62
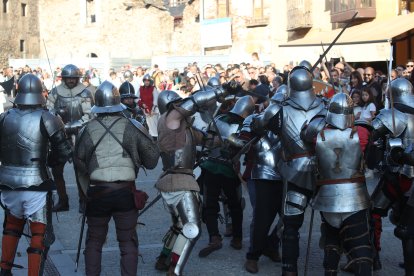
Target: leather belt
298,155
360,179
110,187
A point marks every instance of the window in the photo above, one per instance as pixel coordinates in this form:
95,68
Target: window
5,5
91,9
23,9
22,46
175,3
257,9
222,8
93,18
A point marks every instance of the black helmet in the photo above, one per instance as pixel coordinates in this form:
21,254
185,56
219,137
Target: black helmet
29,91
127,90
107,99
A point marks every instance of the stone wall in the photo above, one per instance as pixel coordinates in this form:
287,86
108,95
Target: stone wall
121,29
16,28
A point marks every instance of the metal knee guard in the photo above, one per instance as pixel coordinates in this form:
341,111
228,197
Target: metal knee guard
189,211
381,203
294,203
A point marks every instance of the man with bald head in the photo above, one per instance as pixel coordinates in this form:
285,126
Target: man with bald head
374,86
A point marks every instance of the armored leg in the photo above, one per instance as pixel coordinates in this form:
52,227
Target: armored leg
12,231
356,241
332,249
63,204
95,238
294,208
126,233
36,251
405,232
189,211
408,251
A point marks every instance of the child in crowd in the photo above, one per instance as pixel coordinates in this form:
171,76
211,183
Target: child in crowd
356,98
368,108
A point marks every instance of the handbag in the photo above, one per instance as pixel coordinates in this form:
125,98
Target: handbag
140,198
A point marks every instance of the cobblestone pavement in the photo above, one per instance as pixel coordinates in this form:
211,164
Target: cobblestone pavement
226,261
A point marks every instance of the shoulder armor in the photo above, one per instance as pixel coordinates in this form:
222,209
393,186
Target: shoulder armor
313,128
385,117
140,127
246,126
270,112
86,93
364,123
52,123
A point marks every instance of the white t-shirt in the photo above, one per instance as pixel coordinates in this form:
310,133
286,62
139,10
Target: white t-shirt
366,112
357,109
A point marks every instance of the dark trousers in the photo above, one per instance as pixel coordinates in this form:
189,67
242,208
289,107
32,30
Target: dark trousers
290,238
213,184
268,204
120,206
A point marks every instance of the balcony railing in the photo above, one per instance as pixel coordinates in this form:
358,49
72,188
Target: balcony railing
343,10
299,14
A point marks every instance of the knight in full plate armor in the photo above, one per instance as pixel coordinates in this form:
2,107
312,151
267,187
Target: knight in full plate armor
27,133
394,188
128,98
221,173
177,140
267,191
72,101
298,162
109,152
341,195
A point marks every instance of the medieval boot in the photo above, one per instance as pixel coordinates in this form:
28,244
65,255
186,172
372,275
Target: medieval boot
376,262
273,255
161,263
215,244
251,266
170,271
236,243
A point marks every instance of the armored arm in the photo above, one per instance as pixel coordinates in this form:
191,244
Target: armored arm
270,119
61,149
310,131
87,103
51,99
148,150
201,101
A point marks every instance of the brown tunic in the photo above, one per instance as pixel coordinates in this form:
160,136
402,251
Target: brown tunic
171,140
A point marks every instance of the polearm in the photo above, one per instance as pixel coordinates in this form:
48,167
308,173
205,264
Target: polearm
333,42
313,67
80,239
388,89
50,66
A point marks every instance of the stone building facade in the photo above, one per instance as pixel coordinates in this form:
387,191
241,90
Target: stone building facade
134,30
19,30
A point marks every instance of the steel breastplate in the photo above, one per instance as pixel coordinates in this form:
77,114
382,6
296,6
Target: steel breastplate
293,121
266,157
339,159
69,108
182,158
338,155
24,149
408,141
